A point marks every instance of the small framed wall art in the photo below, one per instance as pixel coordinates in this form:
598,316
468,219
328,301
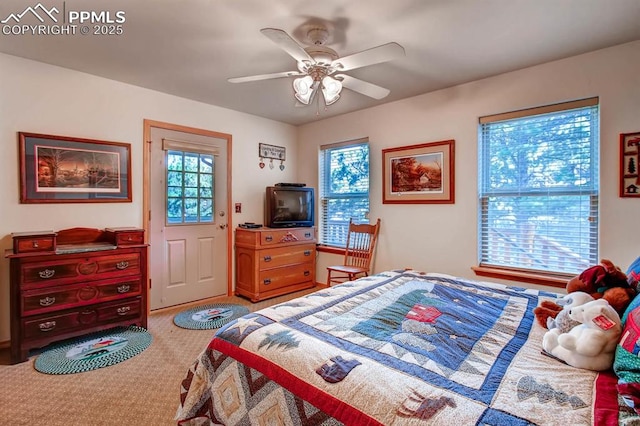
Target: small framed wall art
629,164
421,173
60,169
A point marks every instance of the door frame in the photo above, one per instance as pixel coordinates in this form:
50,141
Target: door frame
146,186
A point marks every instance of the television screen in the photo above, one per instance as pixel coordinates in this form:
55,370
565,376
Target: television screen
289,207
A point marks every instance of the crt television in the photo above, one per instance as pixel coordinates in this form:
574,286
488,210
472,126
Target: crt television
289,206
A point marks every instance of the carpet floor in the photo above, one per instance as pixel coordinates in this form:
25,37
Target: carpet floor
143,390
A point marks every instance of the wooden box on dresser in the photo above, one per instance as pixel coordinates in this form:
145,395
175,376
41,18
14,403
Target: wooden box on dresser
74,282
272,261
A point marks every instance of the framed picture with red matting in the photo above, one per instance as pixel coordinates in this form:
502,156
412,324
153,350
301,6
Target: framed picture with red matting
629,164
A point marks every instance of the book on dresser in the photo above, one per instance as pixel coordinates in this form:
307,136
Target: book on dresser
274,261
73,282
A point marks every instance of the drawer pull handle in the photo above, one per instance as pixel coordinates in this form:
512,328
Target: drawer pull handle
47,273
307,273
47,326
307,234
267,258
123,310
129,238
267,281
268,238
35,244
307,252
122,265
124,288
47,301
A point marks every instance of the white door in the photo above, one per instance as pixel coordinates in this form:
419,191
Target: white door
188,225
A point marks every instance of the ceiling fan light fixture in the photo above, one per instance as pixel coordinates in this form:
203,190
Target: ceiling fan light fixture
302,88
331,89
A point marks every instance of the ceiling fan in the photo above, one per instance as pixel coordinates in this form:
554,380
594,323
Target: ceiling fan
320,67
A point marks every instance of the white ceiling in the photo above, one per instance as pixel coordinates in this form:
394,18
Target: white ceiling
189,48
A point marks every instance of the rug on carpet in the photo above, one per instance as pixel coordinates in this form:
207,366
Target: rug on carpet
207,317
93,351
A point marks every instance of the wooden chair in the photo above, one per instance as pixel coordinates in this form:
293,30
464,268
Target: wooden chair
361,243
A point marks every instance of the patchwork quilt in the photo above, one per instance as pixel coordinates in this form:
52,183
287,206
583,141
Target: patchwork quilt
395,348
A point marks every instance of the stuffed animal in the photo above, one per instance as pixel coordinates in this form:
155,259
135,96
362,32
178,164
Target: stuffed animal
550,314
604,281
591,344
563,321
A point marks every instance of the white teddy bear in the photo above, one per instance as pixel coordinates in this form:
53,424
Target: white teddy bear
562,321
591,344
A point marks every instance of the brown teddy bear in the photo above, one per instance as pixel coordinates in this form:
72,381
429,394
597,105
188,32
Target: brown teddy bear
603,281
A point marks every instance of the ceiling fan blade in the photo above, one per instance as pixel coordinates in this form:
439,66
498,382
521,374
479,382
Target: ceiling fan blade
360,86
375,55
287,44
264,76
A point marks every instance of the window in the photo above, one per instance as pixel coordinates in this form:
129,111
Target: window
344,189
538,188
189,181
189,187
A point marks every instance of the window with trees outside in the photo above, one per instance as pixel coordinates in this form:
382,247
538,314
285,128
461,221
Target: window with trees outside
344,189
189,189
538,188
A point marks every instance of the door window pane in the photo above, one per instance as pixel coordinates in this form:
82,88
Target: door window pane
189,187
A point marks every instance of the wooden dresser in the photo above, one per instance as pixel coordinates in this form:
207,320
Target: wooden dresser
272,261
73,282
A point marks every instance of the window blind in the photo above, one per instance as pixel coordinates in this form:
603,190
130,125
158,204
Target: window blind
344,189
538,188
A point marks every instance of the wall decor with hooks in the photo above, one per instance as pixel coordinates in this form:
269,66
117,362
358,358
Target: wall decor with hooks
272,152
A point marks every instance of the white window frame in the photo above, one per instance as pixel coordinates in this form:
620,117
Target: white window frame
333,234
553,264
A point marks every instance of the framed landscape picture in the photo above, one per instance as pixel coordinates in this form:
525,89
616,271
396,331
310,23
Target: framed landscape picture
421,173
60,169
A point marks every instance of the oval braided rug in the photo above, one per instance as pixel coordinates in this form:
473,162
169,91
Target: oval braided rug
93,351
207,317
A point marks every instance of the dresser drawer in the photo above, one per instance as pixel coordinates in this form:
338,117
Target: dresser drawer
49,299
125,237
275,257
280,236
63,322
285,276
42,243
73,269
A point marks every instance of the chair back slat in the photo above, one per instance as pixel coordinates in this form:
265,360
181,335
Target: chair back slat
361,242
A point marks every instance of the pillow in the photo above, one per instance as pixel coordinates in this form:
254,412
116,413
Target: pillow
626,363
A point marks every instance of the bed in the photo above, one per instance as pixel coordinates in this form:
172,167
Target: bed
399,347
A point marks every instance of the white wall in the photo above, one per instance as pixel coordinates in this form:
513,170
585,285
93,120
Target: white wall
442,238
40,98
